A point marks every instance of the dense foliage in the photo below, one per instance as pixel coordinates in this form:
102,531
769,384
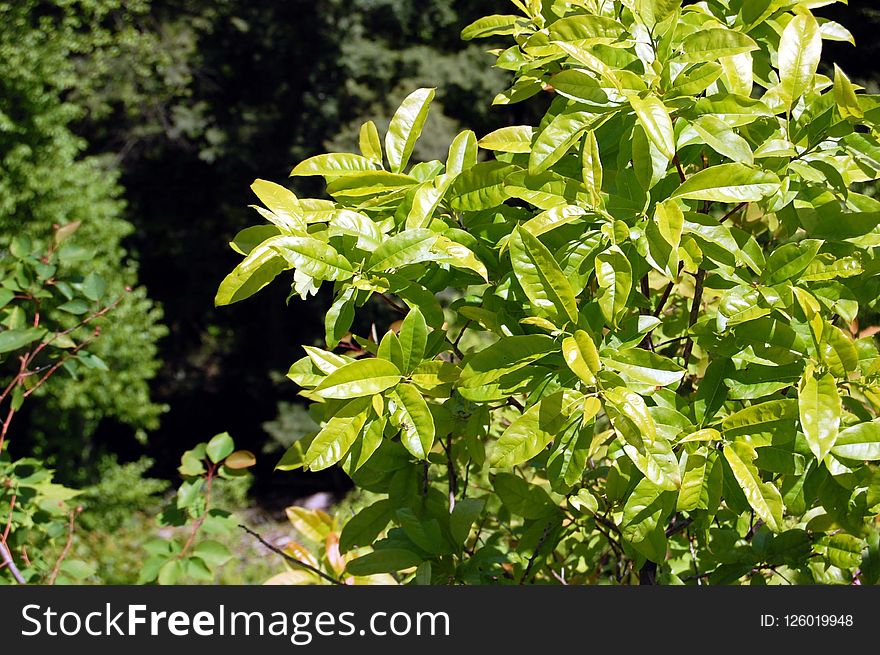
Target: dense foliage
629,347
52,319
47,180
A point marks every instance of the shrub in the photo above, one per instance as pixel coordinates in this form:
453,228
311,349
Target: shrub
629,347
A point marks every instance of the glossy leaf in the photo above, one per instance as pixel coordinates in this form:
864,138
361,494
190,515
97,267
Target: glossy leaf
763,497
729,183
406,127
540,276
819,408
363,377
581,356
799,52
414,419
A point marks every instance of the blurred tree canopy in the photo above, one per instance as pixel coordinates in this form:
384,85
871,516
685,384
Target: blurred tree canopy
49,177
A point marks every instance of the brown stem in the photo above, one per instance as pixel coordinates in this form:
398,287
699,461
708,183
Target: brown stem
695,313
392,304
290,558
66,550
5,427
453,478
677,162
525,575
9,519
8,561
733,211
197,524
85,321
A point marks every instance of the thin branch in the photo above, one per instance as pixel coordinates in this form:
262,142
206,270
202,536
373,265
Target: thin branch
290,558
460,335
677,527
453,477
66,550
695,314
733,211
666,292
525,575
678,167
8,561
392,304
197,524
9,519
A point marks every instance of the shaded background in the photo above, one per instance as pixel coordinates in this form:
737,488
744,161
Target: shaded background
148,120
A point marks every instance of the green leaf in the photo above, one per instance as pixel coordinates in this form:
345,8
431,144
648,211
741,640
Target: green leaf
16,339
386,560
653,12
530,433
517,139
581,356
555,140
413,339
694,479
799,52
762,496
363,528
845,96
614,275
363,377
642,512
645,366
460,256
844,551
407,247
462,153
732,183
494,25
723,140
339,318
313,257
414,419
591,168
551,219
213,553
654,117
220,447
649,451
860,442
370,145
506,355
481,187
171,572
338,434
713,44
466,512
819,408
541,277
334,165
262,265
357,225
790,260
406,127
278,199
523,499
94,286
